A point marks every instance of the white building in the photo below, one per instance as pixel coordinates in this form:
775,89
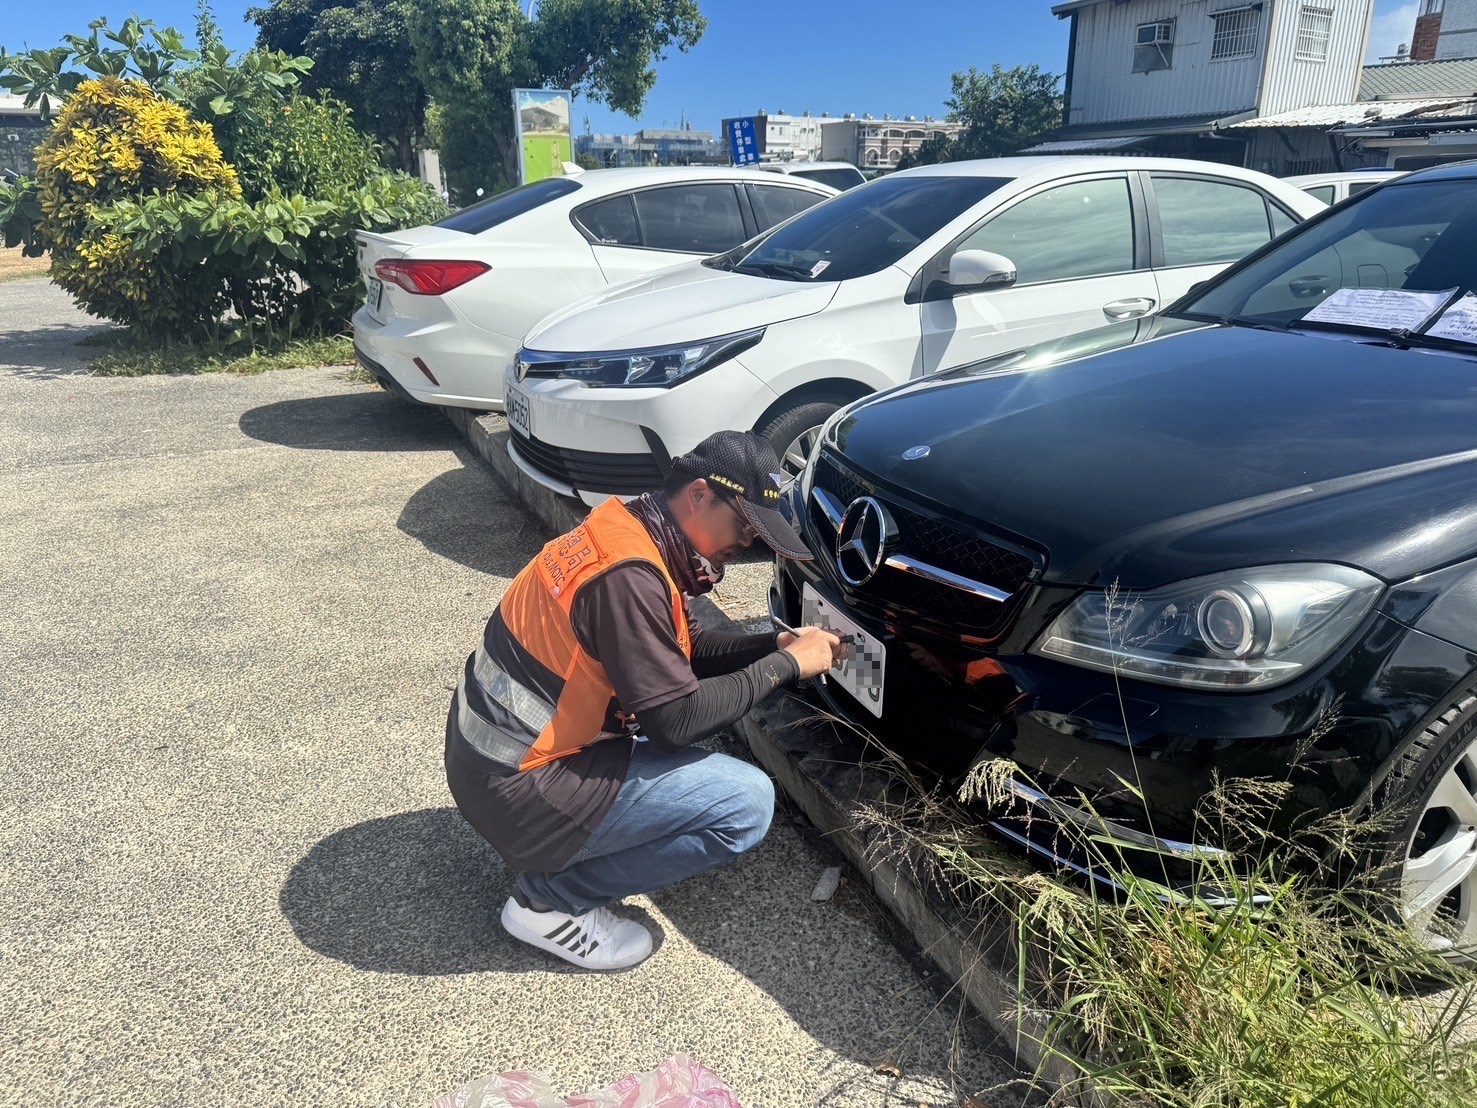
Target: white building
791,138
878,143
1170,76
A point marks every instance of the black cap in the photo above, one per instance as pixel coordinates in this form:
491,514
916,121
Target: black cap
741,466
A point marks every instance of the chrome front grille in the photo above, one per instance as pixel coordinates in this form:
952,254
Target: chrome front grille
939,570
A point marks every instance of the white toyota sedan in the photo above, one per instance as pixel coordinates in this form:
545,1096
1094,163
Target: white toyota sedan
447,304
912,273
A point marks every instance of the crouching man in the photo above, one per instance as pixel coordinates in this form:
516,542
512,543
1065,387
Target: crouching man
569,742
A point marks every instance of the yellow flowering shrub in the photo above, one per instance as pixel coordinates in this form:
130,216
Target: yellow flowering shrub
118,140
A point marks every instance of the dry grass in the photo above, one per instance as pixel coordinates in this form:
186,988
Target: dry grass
14,266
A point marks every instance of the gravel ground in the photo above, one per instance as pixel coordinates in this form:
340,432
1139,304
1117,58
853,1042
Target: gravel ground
229,871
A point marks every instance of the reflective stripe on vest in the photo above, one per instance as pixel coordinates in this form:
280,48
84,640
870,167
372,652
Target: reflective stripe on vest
488,740
532,710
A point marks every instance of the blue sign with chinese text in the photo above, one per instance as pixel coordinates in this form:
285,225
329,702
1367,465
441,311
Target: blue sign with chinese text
743,141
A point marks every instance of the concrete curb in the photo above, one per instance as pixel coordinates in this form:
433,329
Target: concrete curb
825,771
488,436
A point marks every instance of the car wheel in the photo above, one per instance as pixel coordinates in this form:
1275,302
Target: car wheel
1431,848
793,430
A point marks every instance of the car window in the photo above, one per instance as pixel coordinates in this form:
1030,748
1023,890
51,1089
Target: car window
1356,187
696,219
861,231
1209,221
1281,221
1080,229
611,222
1416,237
775,204
486,214
1321,192
840,179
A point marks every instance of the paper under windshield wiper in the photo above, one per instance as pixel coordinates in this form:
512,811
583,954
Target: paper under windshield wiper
774,269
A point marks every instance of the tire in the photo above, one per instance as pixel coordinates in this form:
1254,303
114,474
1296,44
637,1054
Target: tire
792,429
1428,852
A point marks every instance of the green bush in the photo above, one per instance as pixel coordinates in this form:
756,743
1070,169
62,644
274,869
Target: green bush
117,139
286,264
205,200
305,145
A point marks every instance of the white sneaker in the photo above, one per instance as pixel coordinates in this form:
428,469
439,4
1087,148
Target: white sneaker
597,940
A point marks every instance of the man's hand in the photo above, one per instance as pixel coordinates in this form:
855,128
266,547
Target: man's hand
814,650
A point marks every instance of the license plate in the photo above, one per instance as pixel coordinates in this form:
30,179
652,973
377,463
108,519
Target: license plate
374,292
519,410
860,673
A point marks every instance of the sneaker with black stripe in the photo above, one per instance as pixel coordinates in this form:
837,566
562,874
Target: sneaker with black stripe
597,940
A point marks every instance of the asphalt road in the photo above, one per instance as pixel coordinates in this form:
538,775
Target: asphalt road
233,611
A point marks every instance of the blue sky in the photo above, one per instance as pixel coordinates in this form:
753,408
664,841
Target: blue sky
772,54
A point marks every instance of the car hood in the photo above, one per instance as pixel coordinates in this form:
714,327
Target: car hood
686,304
1212,449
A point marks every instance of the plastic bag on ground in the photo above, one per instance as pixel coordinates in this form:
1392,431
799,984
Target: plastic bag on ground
679,1082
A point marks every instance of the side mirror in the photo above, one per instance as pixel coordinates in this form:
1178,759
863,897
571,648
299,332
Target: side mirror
970,269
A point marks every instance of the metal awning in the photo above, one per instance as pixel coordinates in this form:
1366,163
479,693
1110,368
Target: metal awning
1085,145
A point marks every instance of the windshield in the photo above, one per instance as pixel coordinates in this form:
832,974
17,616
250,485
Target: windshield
486,214
861,231
1399,261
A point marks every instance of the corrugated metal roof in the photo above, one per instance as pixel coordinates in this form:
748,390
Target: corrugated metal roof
1435,78
1332,115
1084,146
16,105
1061,10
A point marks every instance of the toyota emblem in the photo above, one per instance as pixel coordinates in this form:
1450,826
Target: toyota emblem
864,540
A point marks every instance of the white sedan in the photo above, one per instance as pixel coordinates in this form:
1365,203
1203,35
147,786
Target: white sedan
446,305
912,273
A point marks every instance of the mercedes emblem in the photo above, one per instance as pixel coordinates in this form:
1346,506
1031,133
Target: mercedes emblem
866,537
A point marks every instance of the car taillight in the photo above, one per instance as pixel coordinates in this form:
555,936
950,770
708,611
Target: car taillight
427,278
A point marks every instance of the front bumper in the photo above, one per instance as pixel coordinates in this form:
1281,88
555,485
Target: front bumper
603,442
1144,757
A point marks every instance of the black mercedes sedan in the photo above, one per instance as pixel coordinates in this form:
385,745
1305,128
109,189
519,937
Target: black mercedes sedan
1231,539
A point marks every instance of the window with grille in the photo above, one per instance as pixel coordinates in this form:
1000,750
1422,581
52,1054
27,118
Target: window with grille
1315,28
1235,33
1153,46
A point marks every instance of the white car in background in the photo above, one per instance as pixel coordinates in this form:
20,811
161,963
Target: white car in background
446,305
912,273
839,175
1334,187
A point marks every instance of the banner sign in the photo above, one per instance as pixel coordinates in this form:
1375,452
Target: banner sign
743,140
541,116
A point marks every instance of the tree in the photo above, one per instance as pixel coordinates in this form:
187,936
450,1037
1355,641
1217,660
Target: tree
471,54
362,55
1003,112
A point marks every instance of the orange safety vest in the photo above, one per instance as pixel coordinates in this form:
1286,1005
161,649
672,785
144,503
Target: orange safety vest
536,611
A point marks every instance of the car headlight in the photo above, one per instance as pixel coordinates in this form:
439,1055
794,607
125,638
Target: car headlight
661,366
1249,629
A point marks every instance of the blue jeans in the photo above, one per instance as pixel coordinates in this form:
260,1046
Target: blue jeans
679,813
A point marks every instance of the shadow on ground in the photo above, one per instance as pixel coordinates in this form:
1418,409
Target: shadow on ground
420,893
349,421
47,353
416,893
463,516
